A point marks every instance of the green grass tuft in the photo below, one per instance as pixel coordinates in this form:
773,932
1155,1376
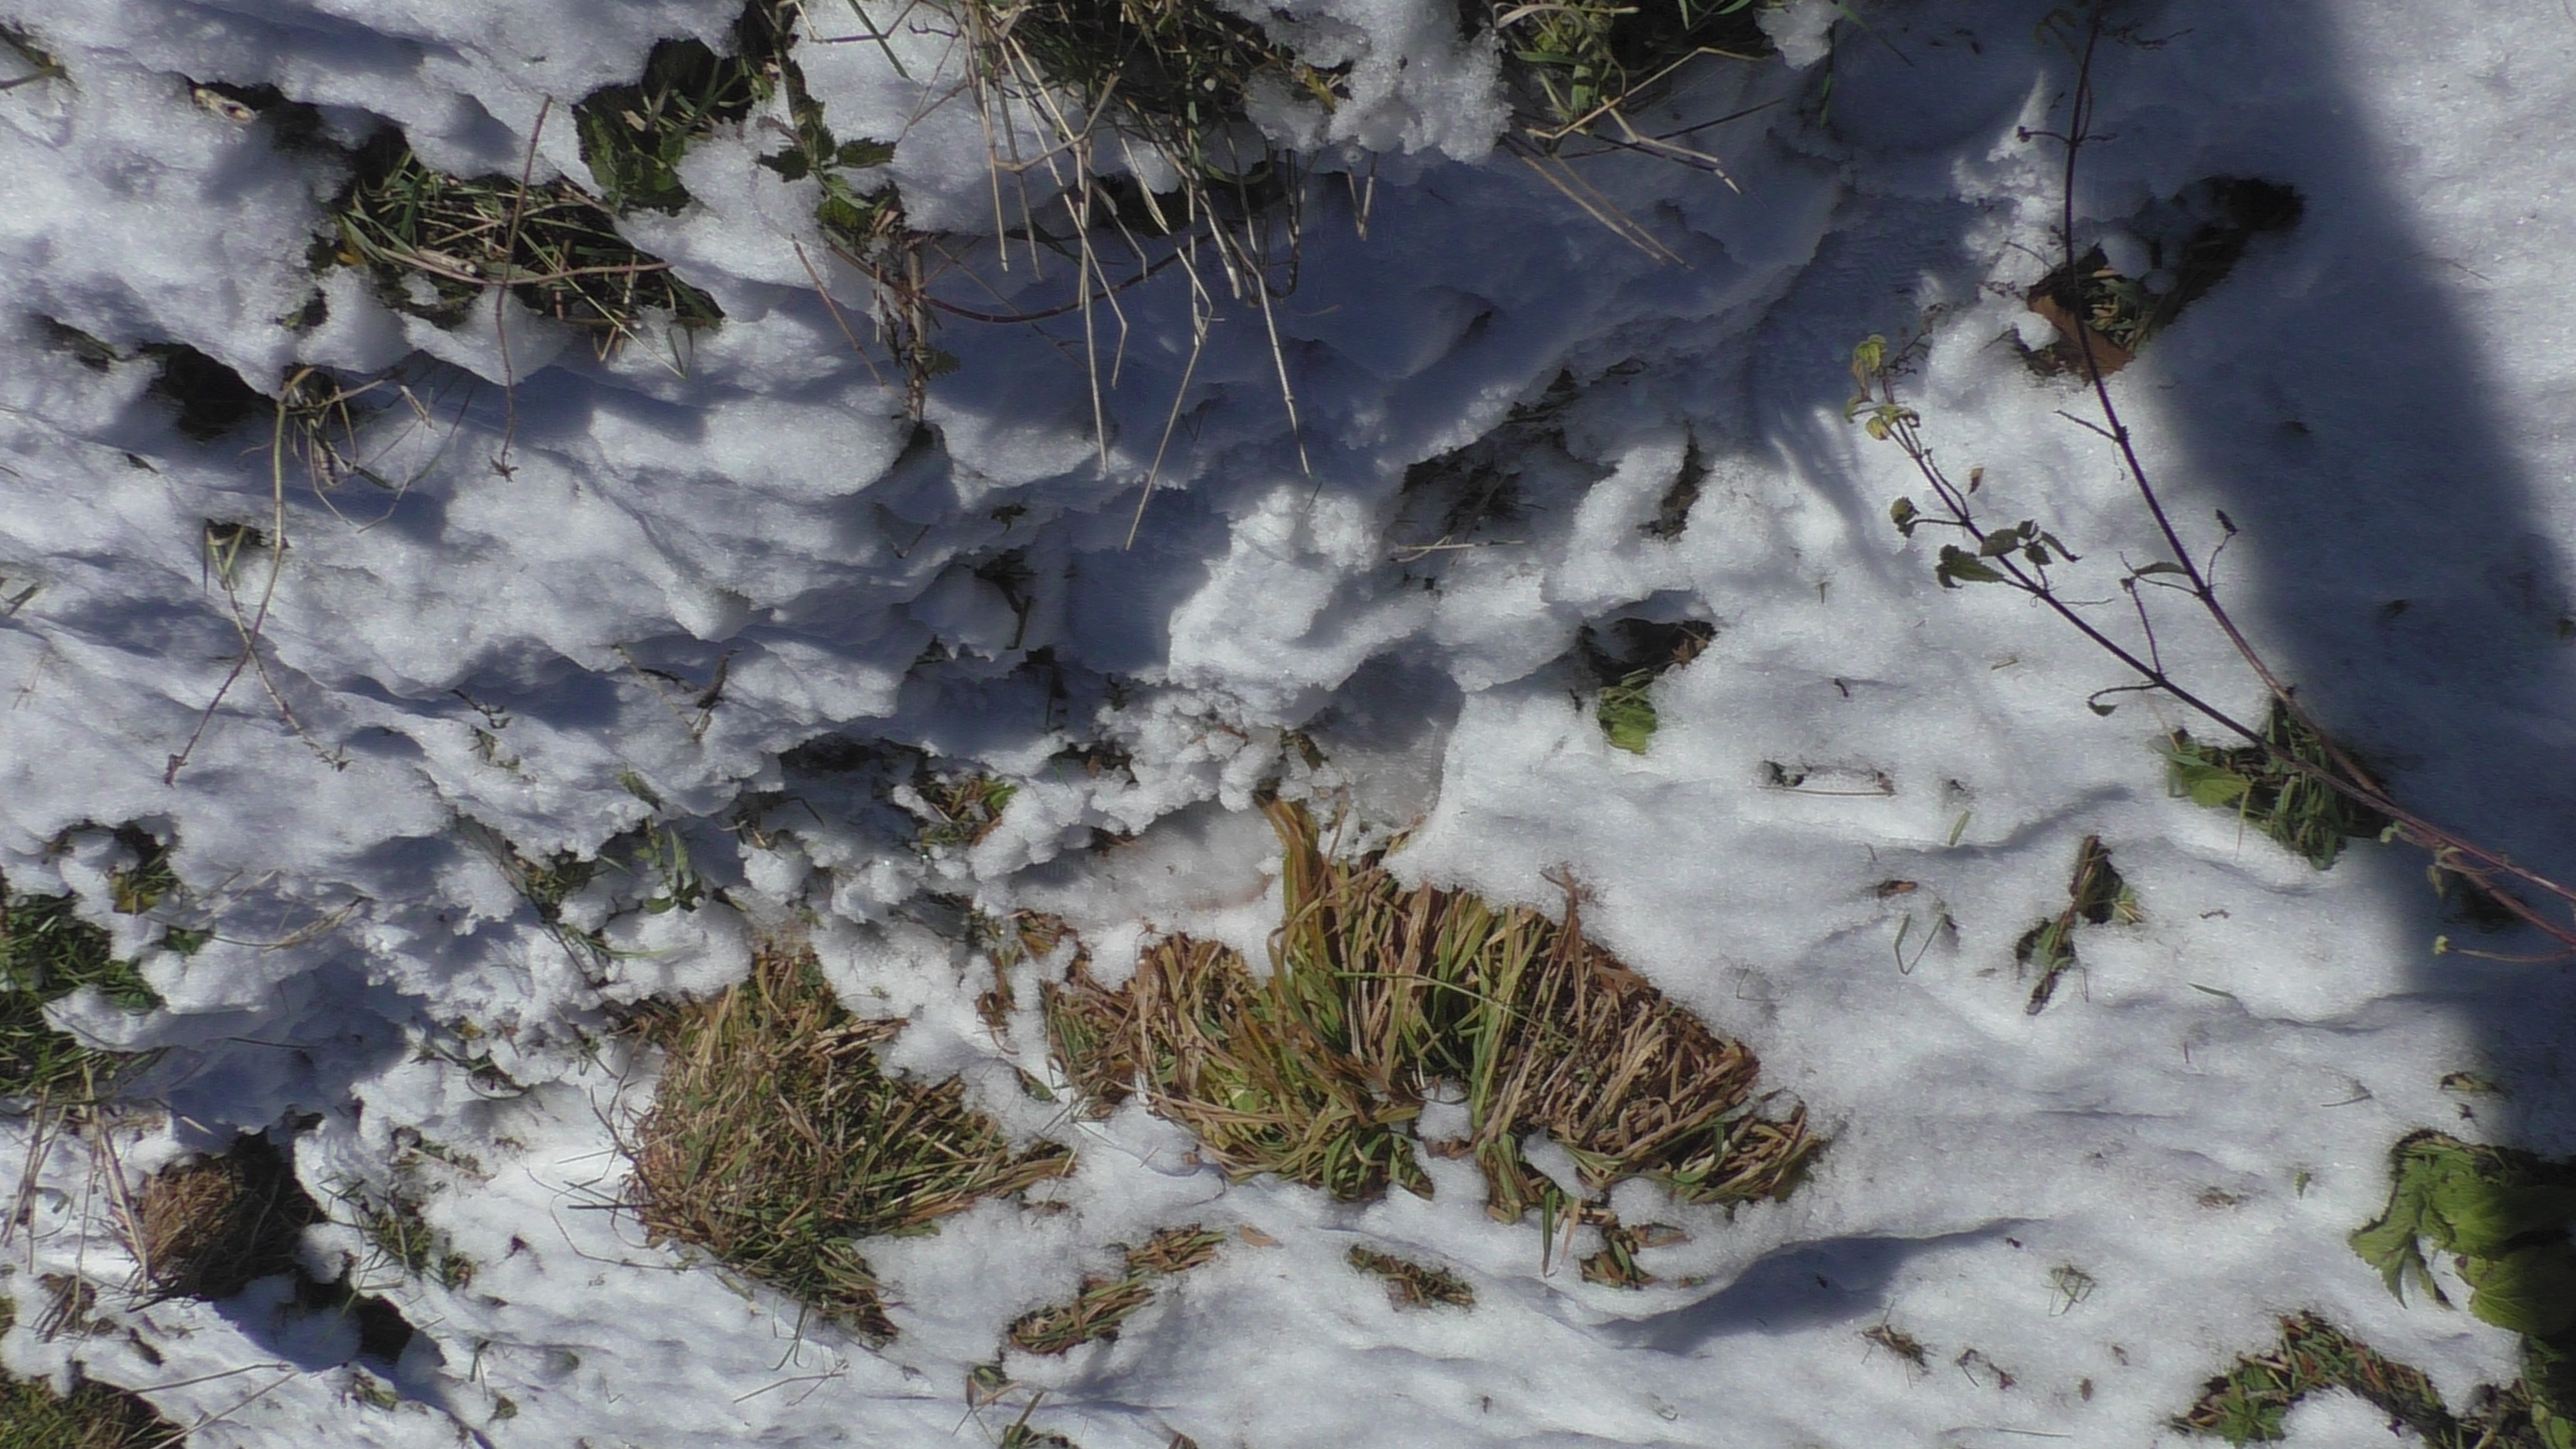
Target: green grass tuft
1579,67
46,953
963,810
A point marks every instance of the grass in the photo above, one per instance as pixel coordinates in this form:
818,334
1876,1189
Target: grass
47,951
1377,994
1414,1285
1104,1303
2250,1403
391,1221
1173,73
436,244
2290,806
34,1415
2095,896
775,1141
962,810
210,1228
1578,68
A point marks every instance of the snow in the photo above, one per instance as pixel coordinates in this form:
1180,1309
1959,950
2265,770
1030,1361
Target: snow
512,642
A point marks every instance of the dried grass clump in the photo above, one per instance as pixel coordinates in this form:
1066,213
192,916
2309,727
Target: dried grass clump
210,1228
775,1141
1379,993
1414,1285
1105,1303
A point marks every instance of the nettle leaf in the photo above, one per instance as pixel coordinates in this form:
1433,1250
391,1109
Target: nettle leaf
1904,515
2532,1290
1958,566
2002,541
2485,1216
790,165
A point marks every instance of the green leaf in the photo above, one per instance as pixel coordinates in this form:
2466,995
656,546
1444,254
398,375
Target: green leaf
1959,566
2209,785
791,165
2531,1290
860,155
2002,541
1904,515
2484,1215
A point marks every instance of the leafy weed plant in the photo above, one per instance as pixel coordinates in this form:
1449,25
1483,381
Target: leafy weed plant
1379,993
1580,66
2268,791
775,1141
1628,658
1105,1303
2025,559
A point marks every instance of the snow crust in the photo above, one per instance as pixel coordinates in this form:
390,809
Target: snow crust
516,643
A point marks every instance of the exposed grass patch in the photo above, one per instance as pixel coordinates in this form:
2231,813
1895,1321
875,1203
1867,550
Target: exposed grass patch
1377,994
46,953
436,244
1105,1303
2291,806
1579,68
775,1141
2250,1402
212,1227
1414,1285
391,1220
2095,896
1173,73
960,811
92,1416
1628,657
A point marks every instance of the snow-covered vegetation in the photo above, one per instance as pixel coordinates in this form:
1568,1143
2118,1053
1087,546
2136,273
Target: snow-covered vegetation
1161,722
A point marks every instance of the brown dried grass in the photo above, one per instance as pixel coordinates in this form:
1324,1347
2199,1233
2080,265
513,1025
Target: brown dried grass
776,1142
1378,993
